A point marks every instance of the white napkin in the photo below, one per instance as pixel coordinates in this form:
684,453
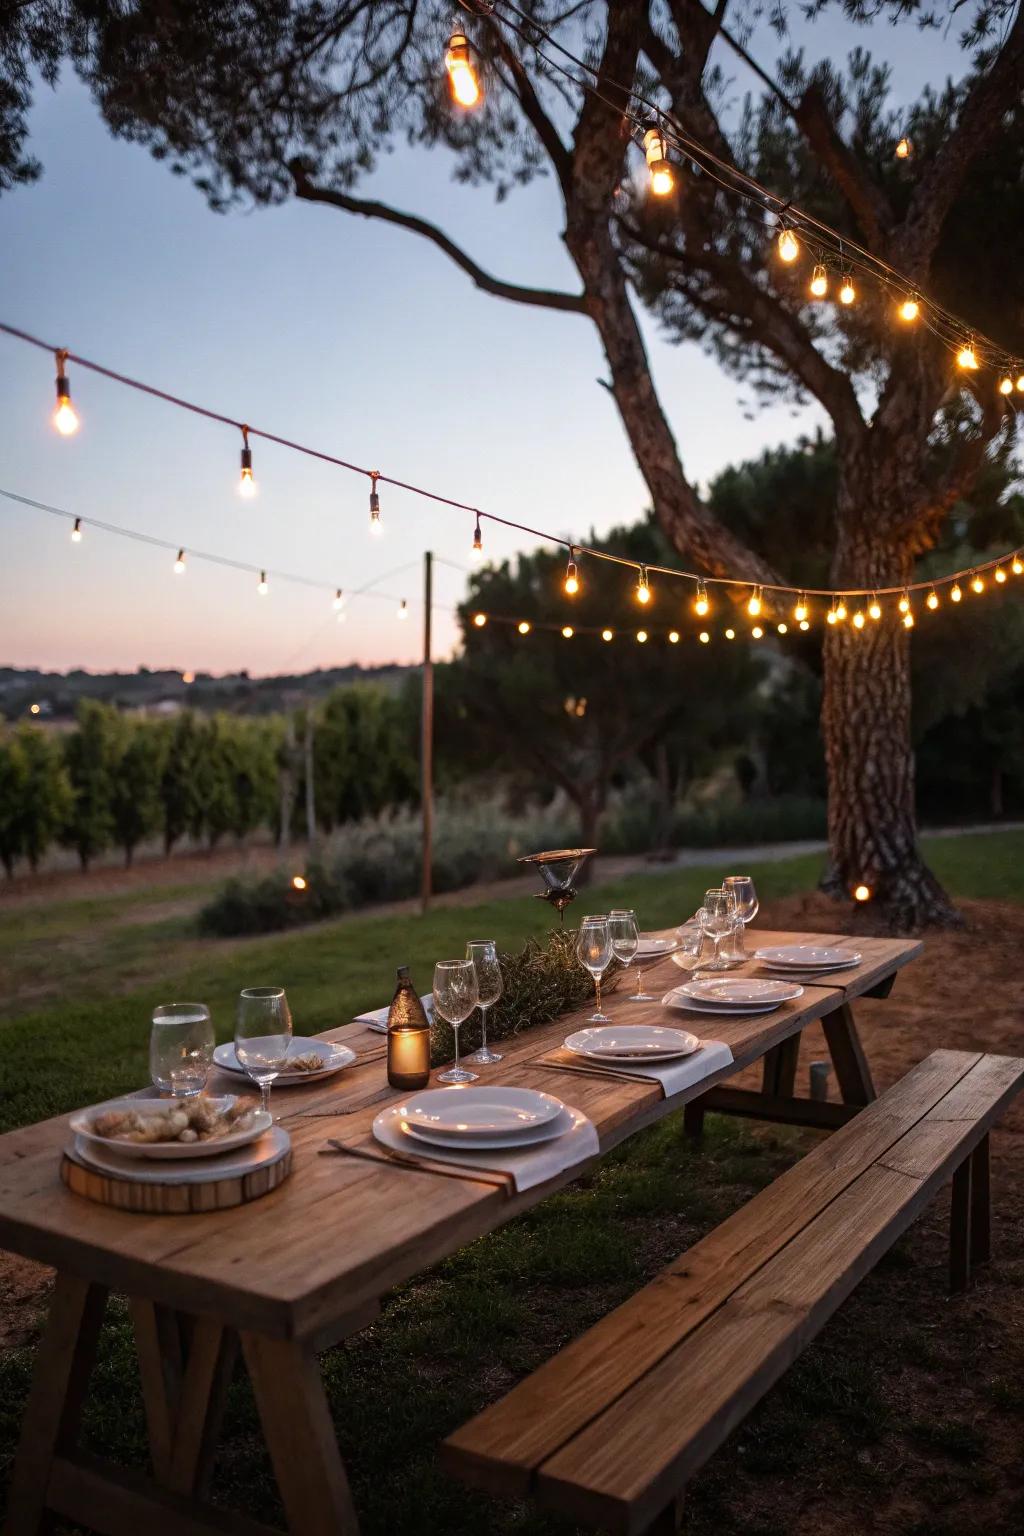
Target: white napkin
682,1072
377,1019
533,1165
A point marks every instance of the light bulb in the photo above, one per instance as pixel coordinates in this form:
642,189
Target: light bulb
800,611
606,634
479,619
65,417
524,626
757,632
298,882
932,601
662,176
179,564
904,148
704,637
804,624
789,246
819,282
999,574
904,604
339,600
673,637
1006,385
568,632
847,293
462,77
858,620
261,585
831,616
782,628
641,635
376,526
862,893
1020,383
908,621
730,634
702,606
643,590
403,610
909,310
956,594
875,609
572,579
76,532
977,585
967,357
754,603
1017,566
840,611
246,484
477,552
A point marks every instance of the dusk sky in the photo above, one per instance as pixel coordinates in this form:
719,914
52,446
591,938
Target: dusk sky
342,333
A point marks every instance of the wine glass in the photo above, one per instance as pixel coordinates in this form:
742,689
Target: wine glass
263,1033
180,1048
624,933
719,915
484,955
742,888
456,994
594,952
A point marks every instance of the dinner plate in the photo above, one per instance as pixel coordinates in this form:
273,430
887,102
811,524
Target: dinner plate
456,1113
632,1042
807,957
528,1138
225,1165
651,948
728,991
166,1151
675,999
334,1058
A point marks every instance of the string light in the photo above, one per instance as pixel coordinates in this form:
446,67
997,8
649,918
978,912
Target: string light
1020,383
1000,574
1017,566
643,588
910,309
477,553
247,485
800,611
840,610
376,526
299,882
339,600
804,625
908,620
789,246
904,148
874,609
955,594
967,357
704,637
65,417
179,564
568,632
782,628
702,606
862,893
904,603
932,600
757,632
819,281
641,635
1006,385
754,603
76,532
858,620
656,152
261,585
572,576
607,634
847,293
523,626
462,76
977,585
673,637
479,619
403,610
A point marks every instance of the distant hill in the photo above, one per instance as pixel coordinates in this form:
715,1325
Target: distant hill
27,693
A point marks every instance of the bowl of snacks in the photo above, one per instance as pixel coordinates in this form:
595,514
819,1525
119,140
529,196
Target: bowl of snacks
172,1129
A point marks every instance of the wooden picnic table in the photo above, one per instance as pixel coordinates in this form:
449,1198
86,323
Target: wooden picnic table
306,1267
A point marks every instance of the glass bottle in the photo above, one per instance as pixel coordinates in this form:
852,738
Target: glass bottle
408,1036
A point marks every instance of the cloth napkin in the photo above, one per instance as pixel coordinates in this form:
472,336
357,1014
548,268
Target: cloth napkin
377,1019
531,1166
676,1075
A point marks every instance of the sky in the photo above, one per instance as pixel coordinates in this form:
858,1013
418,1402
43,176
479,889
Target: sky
342,333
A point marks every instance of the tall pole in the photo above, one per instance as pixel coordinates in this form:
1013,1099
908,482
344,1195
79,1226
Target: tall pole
427,745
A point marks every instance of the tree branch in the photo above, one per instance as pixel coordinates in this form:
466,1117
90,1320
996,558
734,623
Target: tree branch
543,298
533,111
866,200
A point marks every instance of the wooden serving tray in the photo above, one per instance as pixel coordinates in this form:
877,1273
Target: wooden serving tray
182,1189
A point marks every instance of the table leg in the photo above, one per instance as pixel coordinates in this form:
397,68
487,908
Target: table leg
50,1425
300,1436
852,1071
778,1073
185,1365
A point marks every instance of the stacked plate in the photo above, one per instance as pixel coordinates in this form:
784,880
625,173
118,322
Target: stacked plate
332,1059
806,959
654,948
98,1147
464,1118
632,1042
732,994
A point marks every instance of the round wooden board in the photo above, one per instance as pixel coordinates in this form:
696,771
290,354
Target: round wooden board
175,1198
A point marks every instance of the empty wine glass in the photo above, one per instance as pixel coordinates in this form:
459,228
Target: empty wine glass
180,1048
624,932
263,1033
742,888
484,955
719,914
594,952
456,994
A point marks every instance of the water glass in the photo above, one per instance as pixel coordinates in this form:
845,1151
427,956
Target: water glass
742,888
484,955
180,1048
594,952
733,948
624,931
456,994
263,1033
719,913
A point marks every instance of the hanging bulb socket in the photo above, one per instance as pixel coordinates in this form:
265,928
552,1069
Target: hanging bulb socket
788,245
261,585
847,292
463,80
643,588
376,527
247,485
571,585
955,593
65,417
658,164
819,281
800,611
932,600
179,564
76,532
478,540
403,610
754,603
701,606
874,608
339,600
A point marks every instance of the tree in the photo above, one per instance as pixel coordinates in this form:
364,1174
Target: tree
90,756
575,713
270,101
13,783
48,797
179,791
135,787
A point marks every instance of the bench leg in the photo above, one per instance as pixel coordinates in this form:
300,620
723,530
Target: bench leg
693,1119
960,1228
981,1204
670,1521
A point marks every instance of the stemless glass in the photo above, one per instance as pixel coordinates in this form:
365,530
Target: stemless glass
719,914
263,1033
624,932
742,888
456,994
484,955
180,1048
594,952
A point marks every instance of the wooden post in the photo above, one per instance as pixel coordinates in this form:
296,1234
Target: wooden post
427,742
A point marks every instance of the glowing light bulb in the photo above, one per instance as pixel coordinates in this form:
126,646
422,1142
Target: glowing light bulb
403,610
261,586
800,611
904,148
908,621
1020,383
831,616
656,152
76,532
956,594
704,637
862,893
702,606
462,77
757,632
847,293
840,611
246,484
804,624
479,619
1006,385
298,882
641,635
376,526
477,552
932,601
572,577
754,603
65,417
643,589
523,626
673,637
999,574
607,634
858,620
568,632
977,585
1017,566
967,357
782,628
819,282
909,310
179,564
730,634
188,678
789,246
875,609
339,600
904,604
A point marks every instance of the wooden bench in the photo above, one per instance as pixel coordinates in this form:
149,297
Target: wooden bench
610,1430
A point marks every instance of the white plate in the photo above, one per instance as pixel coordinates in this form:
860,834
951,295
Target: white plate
632,1042
166,1151
806,957
334,1057
546,1132
652,949
730,991
455,1113
227,1165
675,999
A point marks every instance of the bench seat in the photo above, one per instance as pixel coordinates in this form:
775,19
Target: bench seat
610,1430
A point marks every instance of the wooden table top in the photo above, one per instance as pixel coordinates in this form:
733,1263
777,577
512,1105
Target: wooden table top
341,1232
